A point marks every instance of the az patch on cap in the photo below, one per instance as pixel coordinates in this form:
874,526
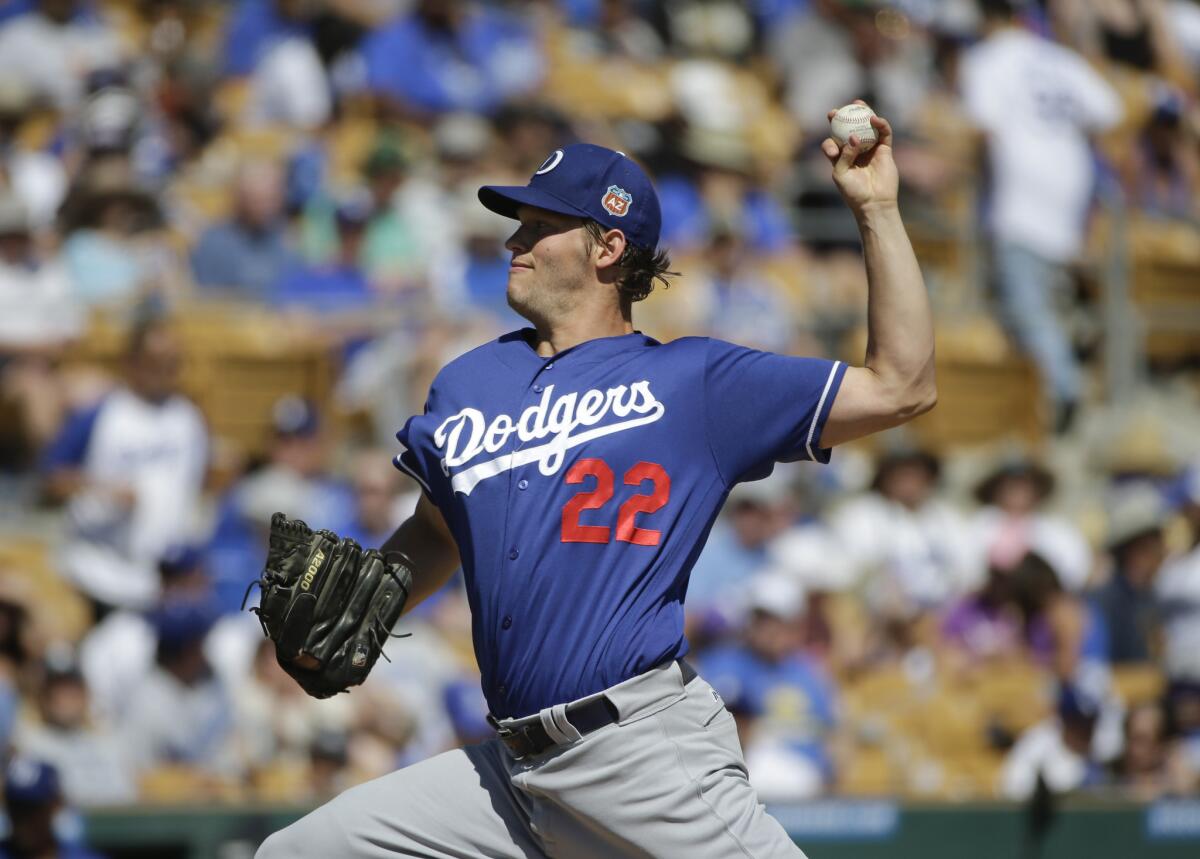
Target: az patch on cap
616,201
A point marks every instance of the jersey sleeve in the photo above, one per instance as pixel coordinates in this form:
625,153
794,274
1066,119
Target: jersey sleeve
412,460
762,408
420,459
69,448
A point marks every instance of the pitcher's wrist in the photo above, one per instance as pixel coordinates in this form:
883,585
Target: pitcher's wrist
876,210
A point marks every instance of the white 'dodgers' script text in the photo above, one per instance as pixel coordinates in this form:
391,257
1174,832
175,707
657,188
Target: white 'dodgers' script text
467,434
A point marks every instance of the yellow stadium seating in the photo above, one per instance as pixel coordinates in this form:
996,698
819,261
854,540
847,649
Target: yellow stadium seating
27,569
868,772
1137,684
987,392
931,739
285,781
176,784
1166,293
239,361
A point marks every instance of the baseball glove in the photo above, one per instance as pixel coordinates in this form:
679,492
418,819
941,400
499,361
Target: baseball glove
328,604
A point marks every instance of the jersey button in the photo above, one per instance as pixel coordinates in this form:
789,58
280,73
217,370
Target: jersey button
537,389
550,366
513,555
522,484
507,622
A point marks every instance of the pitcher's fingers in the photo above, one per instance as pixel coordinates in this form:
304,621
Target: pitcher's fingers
848,155
830,149
883,128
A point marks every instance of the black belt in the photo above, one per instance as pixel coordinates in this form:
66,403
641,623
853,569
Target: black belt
532,739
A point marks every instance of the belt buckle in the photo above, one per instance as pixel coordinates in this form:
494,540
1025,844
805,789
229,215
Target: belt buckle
511,739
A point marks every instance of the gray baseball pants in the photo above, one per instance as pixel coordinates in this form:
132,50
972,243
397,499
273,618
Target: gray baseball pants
666,780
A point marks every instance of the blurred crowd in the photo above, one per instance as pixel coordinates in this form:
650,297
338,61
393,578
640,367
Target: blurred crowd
309,167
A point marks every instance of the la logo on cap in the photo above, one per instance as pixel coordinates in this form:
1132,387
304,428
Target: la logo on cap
616,201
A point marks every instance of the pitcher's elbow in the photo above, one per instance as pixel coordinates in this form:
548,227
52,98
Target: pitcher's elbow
928,399
916,402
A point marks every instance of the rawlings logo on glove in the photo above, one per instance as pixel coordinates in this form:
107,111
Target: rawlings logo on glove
328,604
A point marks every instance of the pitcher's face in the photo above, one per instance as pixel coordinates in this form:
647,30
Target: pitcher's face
551,263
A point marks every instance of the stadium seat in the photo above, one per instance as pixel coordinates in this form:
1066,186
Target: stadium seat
1165,289
284,781
1137,684
867,773
987,391
240,360
176,784
28,571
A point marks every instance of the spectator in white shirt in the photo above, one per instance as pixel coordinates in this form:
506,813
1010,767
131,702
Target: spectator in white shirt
118,651
54,47
1178,592
180,712
1059,750
912,551
131,468
85,751
1036,103
1013,522
290,86
37,178
836,52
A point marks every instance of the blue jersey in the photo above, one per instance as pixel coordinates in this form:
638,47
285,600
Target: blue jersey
580,489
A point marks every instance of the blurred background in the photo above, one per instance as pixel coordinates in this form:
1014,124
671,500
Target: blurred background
237,239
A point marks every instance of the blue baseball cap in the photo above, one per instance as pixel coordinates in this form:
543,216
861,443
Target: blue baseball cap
587,181
182,620
31,782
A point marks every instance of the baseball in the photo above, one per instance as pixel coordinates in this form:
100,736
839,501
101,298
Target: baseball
853,119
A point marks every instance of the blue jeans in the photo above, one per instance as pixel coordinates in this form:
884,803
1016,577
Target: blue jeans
1028,287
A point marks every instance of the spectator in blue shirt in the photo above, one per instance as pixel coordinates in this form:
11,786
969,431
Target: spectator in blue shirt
783,700
446,56
738,547
743,306
1127,601
339,285
247,253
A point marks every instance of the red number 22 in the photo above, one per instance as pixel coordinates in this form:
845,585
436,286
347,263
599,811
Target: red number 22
627,529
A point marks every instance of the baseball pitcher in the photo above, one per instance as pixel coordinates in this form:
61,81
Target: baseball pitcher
574,469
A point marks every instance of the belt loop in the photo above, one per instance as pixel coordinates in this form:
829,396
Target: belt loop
551,717
568,729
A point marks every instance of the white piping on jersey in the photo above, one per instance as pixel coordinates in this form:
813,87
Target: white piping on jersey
812,428
557,420
399,463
